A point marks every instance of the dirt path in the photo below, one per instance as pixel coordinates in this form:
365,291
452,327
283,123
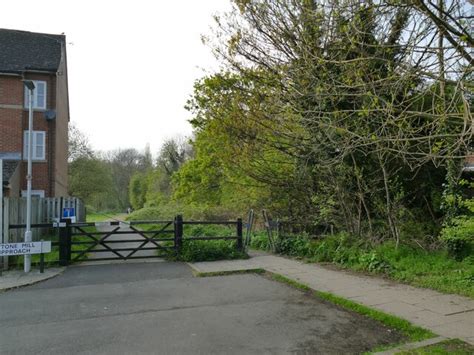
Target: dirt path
125,245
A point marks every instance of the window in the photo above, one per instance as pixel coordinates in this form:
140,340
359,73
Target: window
39,145
39,95
34,193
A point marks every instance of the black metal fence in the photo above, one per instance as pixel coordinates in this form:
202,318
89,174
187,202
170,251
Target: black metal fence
75,242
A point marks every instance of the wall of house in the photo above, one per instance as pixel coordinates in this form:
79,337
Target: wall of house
14,121
11,108
62,124
43,171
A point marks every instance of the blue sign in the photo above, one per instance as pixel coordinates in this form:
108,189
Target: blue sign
69,212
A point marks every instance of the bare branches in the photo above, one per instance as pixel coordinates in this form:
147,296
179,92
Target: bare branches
374,90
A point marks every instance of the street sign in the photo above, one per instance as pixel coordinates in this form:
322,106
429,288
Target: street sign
25,248
70,212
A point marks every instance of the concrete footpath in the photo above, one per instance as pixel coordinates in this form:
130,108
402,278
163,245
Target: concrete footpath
451,316
17,278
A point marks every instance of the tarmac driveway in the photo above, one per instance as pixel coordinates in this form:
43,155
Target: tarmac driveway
160,308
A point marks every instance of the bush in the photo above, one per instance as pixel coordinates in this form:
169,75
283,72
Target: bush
373,261
459,237
211,230
459,233
295,246
259,241
190,212
209,250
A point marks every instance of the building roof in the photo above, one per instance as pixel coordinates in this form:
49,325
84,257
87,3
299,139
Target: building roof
23,51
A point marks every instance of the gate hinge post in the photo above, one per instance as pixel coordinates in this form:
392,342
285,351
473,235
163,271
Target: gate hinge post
240,244
178,233
65,242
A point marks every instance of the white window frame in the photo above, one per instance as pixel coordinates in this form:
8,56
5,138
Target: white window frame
37,105
36,135
34,193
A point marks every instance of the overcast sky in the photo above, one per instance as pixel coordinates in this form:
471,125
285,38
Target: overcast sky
132,64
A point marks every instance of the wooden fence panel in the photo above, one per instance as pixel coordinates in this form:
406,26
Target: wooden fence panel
44,210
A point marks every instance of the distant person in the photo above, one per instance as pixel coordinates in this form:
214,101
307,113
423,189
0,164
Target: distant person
129,210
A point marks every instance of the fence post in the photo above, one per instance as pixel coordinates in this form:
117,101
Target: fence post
239,235
178,233
6,229
65,243
42,259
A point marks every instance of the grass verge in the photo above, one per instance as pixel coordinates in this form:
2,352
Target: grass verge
433,269
412,332
231,272
452,346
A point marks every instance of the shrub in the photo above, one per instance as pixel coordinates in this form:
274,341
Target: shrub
209,250
374,262
189,212
259,241
295,246
211,230
459,237
459,233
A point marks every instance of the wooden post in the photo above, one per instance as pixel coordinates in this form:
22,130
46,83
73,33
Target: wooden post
239,235
42,260
65,243
1,212
178,233
6,229
61,206
41,263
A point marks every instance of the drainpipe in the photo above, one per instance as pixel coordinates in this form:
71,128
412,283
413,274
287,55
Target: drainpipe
50,159
27,258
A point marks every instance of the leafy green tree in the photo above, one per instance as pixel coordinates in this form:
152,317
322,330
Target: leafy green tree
331,107
89,179
138,190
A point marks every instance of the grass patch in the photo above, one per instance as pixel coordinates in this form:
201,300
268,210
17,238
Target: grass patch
452,346
433,269
293,283
104,216
231,272
412,332
52,259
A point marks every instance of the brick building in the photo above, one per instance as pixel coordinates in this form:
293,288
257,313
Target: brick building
42,58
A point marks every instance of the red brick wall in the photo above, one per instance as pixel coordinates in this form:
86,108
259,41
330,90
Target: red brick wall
14,120
11,90
11,93
40,177
11,130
